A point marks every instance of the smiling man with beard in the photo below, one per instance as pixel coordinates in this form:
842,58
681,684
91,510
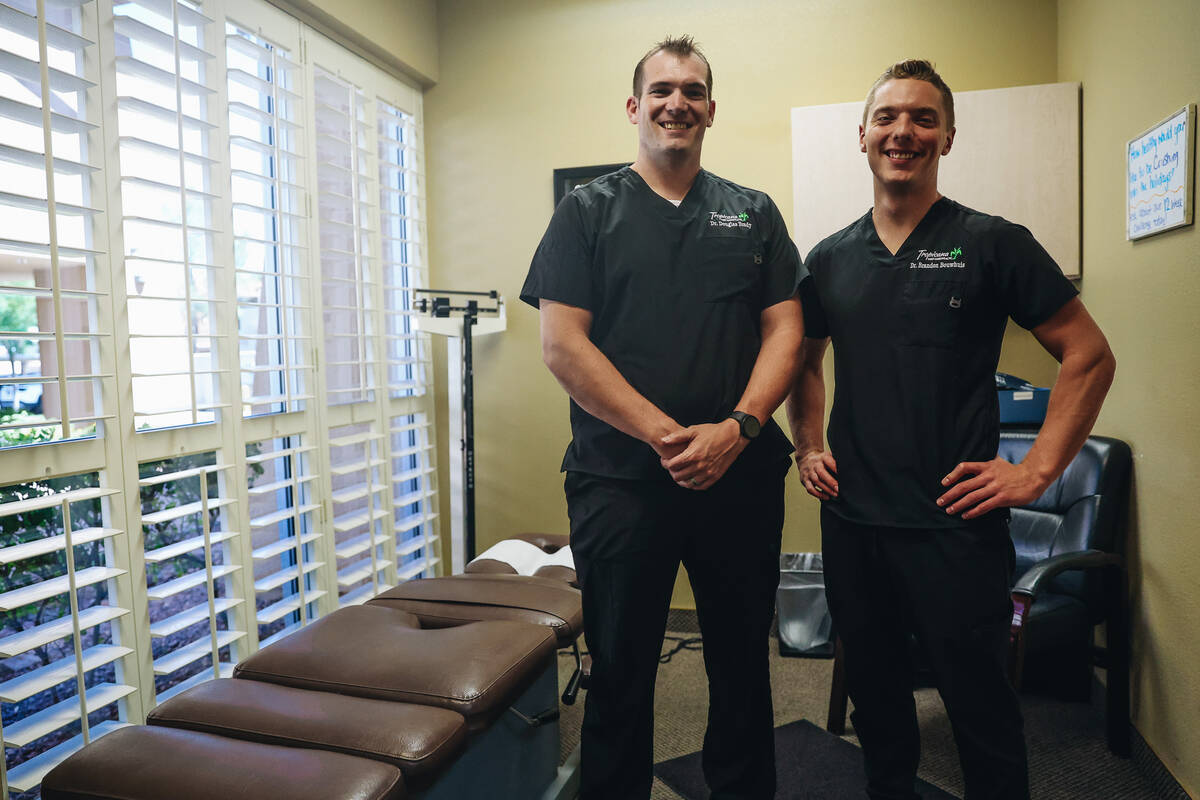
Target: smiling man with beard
668,314
915,296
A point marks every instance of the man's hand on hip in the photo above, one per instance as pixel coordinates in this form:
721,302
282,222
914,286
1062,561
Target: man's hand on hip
818,474
977,487
708,451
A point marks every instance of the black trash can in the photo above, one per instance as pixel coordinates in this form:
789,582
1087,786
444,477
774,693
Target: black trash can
805,627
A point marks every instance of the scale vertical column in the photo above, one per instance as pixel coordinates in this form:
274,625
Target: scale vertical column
468,427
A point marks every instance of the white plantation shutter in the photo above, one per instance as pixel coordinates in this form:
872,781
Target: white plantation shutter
359,512
57,602
284,508
345,187
402,249
370,236
266,146
63,658
414,498
199,178
51,329
191,570
165,80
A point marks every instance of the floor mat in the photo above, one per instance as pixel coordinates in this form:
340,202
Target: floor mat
811,764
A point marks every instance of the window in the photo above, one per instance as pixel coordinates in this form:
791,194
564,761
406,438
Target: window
284,534
194,462
266,158
370,238
164,83
344,185
357,465
190,566
402,248
56,612
418,550
50,328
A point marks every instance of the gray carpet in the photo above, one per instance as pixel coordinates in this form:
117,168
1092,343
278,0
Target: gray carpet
1068,757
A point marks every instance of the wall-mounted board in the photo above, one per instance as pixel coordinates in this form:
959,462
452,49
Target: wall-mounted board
1016,154
1158,163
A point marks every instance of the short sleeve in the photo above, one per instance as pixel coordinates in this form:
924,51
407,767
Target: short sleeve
816,326
785,271
1030,284
561,266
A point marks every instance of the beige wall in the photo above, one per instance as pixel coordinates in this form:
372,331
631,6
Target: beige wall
544,85
398,35
1136,71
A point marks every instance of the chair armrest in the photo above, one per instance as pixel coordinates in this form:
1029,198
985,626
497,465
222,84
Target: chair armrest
1029,583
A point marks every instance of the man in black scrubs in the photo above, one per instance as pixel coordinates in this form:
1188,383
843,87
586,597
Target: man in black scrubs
915,296
668,313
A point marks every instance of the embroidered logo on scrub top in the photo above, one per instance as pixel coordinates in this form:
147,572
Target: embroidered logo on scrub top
939,259
736,221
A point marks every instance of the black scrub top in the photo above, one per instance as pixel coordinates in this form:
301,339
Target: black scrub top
676,295
916,340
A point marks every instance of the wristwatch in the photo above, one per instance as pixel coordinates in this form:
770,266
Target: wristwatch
748,423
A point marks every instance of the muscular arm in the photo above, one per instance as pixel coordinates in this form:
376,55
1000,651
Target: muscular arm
593,382
806,417
712,447
1088,365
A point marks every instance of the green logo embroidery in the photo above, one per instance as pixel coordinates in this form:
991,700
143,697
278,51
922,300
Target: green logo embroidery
939,259
739,221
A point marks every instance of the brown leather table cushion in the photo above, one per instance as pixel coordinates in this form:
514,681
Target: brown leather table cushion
559,573
550,542
456,599
492,566
417,739
476,669
153,763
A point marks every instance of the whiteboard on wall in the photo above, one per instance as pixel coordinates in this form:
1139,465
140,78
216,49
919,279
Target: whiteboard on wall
1159,167
1015,154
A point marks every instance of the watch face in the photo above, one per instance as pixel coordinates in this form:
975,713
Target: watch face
748,423
750,426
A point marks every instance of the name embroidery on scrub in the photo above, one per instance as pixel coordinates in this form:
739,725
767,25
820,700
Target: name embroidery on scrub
716,219
939,259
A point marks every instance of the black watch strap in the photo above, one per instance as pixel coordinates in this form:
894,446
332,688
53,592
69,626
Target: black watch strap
748,423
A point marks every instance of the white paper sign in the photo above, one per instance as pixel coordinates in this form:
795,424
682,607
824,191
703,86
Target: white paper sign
1159,173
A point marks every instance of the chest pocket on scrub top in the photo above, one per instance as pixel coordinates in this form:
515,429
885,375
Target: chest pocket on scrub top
932,310
730,269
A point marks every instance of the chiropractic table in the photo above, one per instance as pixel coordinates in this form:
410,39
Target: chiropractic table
439,689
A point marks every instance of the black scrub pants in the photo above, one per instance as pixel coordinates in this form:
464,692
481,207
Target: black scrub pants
628,539
951,588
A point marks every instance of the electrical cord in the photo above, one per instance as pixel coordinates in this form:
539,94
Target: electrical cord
681,643
690,643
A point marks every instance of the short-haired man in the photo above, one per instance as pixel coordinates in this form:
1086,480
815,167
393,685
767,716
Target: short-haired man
668,313
915,296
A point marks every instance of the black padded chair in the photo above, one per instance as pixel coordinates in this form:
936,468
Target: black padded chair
1069,545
